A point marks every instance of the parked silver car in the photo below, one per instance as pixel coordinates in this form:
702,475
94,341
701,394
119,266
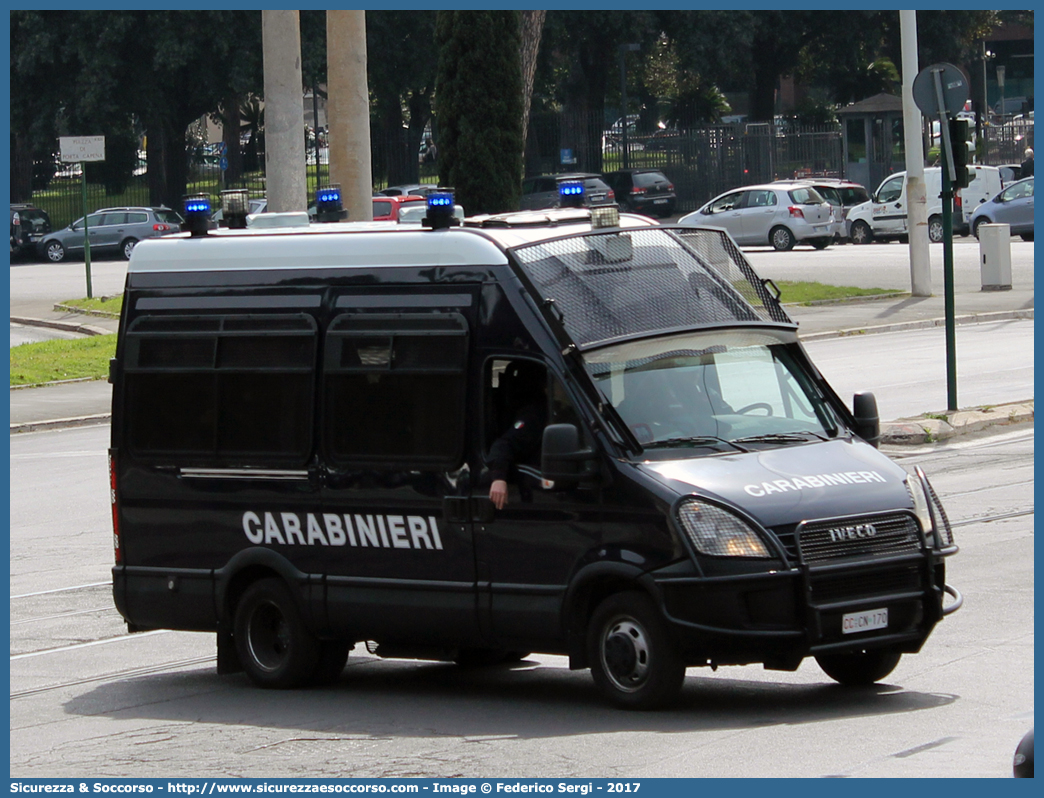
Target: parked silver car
778,214
111,229
1013,207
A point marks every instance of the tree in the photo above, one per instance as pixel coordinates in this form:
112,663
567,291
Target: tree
479,106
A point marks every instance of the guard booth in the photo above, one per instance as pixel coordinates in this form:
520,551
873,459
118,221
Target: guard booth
872,134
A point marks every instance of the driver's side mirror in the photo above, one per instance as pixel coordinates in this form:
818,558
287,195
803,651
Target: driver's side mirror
562,460
867,420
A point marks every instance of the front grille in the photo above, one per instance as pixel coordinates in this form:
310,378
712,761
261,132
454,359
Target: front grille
860,537
828,589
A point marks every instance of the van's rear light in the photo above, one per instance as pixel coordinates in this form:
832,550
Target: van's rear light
957,201
796,212
116,545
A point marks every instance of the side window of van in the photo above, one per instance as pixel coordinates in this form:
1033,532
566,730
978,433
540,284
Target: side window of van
394,388
890,190
221,390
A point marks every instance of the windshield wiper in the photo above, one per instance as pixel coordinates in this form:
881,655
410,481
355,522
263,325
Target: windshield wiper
781,437
695,440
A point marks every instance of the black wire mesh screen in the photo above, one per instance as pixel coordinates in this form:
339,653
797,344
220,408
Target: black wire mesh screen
609,285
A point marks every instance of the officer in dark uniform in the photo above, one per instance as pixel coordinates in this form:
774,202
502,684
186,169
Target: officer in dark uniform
525,384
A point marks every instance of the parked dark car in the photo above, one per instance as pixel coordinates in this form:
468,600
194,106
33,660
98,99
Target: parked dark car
541,192
111,230
29,225
645,191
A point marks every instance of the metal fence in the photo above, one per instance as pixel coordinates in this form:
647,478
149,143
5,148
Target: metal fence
701,162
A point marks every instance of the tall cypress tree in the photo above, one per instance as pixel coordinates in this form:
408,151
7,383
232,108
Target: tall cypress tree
478,104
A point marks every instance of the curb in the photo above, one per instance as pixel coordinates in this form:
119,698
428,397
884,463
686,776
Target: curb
921,324
67,326
928,429
60,423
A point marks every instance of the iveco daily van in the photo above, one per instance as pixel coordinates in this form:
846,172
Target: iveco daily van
302,420
883,218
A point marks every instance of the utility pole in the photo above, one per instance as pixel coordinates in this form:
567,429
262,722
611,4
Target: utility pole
348,112
285,166
916,190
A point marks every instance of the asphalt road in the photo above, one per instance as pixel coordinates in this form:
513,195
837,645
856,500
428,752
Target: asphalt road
86,699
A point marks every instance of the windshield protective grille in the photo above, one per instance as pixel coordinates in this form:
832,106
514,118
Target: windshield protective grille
611,285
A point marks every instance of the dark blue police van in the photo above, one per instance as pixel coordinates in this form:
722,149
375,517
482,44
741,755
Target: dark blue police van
300,460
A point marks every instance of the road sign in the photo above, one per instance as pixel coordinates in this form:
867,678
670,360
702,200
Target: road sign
220,148
223,163
955,92
77,149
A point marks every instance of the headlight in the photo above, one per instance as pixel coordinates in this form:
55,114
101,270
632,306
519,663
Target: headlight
713,530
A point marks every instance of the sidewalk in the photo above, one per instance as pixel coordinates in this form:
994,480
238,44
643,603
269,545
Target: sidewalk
88,402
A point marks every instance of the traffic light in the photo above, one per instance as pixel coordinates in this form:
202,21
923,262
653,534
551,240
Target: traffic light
960,141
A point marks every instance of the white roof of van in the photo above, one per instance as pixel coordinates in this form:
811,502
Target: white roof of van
355,245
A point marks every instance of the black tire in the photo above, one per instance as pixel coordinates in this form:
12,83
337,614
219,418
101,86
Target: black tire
127,247
978,223
861,233
275,647
1026,236
54,251
935,229
333,654
819,243
633,659
781,239
861,668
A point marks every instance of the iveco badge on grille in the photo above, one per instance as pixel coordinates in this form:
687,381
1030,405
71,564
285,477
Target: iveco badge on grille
857,532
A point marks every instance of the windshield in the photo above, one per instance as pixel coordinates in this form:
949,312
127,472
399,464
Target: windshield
730,390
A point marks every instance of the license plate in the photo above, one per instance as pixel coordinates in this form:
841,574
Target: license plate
854,622
660,202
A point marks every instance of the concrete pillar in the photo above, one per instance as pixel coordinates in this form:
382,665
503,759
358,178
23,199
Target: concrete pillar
285,175
348,111
916,189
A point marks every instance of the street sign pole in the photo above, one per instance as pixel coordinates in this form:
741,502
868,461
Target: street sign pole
86,240
949,174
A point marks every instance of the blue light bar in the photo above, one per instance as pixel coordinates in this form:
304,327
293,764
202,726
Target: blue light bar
197,205
440,201
571,189
329,195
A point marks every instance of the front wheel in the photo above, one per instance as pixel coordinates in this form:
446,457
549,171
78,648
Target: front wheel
935,229
633,661
860,668
861,232
275,647
127,247
782,239
55,251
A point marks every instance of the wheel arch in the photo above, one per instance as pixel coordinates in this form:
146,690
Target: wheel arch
589,588
247,567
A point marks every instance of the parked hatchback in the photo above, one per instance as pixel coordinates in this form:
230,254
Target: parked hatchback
111,230
29,225
1013,207
843,195
541,192
645,191
778,214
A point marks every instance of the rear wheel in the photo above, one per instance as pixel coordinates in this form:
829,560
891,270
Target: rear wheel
633,661
127,247
782,239
275,646
55,251
860,668
861,232
935,229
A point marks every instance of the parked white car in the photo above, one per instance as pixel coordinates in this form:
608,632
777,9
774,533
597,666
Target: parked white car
779,214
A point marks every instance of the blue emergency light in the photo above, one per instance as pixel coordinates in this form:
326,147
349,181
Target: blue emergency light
571,194
440,211
328,206
197,214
